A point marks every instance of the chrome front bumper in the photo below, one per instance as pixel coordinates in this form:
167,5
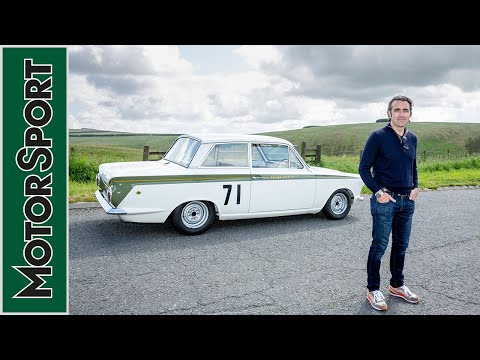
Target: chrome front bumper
107,207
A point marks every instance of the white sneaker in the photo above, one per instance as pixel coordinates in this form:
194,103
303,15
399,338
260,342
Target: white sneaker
377,300
405,293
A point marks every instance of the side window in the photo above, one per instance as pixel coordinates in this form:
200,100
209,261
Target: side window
227,155
269,156
295,162
258,161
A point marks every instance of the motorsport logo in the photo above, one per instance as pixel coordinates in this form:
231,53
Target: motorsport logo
34,180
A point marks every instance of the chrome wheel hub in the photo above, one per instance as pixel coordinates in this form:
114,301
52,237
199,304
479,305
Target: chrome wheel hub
339,204
195,214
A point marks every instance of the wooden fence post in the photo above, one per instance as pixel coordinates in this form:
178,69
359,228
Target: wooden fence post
304,150
318,154
146,151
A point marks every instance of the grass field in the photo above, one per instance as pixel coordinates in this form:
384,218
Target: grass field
436,140
433,138
441,153
84,161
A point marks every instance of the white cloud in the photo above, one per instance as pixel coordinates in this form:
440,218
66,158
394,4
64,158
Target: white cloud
155,89
259,55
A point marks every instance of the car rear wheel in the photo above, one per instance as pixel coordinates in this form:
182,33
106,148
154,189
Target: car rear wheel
338,205
193,217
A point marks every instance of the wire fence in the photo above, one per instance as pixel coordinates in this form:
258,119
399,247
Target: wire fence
315,154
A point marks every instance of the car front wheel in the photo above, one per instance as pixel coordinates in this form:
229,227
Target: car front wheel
193,217
338,205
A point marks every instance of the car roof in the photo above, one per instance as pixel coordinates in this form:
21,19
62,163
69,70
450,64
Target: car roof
218,137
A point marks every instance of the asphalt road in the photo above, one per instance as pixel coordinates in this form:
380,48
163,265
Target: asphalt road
302,264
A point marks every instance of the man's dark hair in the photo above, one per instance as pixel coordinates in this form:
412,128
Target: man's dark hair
399,98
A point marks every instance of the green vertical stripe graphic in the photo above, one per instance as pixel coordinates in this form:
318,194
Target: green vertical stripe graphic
34,180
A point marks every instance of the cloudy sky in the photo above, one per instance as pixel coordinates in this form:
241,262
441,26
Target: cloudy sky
260,88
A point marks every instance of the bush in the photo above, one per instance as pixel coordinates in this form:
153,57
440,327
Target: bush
473,145
449,165
82,169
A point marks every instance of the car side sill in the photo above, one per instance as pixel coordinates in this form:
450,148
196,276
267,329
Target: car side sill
268,214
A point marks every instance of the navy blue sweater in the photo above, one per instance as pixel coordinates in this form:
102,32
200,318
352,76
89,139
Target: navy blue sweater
391,165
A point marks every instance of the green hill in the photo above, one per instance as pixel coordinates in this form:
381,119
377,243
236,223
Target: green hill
434,138
158,142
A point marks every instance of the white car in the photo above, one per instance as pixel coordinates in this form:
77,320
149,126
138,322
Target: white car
204,177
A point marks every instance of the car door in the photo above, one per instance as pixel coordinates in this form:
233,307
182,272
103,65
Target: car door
280,180
228,179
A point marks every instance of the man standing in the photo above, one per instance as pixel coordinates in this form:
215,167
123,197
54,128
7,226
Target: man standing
388,167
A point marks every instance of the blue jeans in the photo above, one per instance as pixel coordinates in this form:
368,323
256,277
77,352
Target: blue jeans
391,217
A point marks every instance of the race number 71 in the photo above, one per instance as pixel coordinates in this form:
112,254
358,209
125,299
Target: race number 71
229,191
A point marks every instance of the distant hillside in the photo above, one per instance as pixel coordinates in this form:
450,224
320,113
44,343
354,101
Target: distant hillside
85,132
434,138
93,137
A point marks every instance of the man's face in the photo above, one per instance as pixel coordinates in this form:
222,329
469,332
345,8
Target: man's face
400,114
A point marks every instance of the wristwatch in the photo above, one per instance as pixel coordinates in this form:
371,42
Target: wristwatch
379,194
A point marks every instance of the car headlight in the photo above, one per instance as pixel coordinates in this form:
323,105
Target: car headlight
97,180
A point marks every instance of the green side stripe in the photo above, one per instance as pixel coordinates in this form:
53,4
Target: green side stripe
242,177
123,185
186,178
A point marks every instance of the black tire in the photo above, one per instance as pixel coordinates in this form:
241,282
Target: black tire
338,205
193,217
